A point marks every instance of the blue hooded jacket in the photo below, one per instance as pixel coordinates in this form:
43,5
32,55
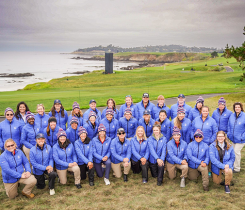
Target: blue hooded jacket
101,150
139,150
174,109
140,108
157,109
61,121
111,127
194,112
129,126
115,116
72,134
92,130
52,139
222,119
84,152
28,135
42,121
133,110
157,149
165,128
147,127
80,121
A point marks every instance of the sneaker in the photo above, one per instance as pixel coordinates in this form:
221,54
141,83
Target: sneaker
107,182
209,175
79,186
227,189
28,195
125,178
51,192
144,181
182,182
91,183
159,183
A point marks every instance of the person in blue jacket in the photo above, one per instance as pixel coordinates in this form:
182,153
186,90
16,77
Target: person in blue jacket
72,131
50,132
91,125
140,154
110,123
101,154
76,112
20,113
65,158
41,118
16,169
236,133
157,147
161,106
165,124
41,157
129,123
111,104
181,102
92,107
177,157
10,128
196,111
183,123
84,151
222,157
198,159
120,155
128,104
143,105
59,113
147,122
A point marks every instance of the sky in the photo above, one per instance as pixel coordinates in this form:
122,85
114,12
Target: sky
66,25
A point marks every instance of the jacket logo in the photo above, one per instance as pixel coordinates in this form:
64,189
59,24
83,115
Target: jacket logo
202,150
239,123
18,156
37,129
125,145
207,124
44,121
224,114
113,126
164,126
14,127
87,146
106,144
68,149
131,124
182,149
185,124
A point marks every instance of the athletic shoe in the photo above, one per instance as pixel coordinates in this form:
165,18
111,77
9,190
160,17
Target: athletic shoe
182,182
144,181
52,192
79,186
107,182
227,189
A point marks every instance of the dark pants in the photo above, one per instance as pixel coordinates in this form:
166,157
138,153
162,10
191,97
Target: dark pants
41,180
100,171
83,170
157,171
137,167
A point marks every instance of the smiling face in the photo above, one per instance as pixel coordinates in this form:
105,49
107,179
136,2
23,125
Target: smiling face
145,100
140,133
220,137
198,138
31,121
161,102
127,116
40,110
92,119
205,112
57,107
74,126
181,100
10,146
147,117
176,137
22,109
128,101
76,110
109,117
156,131
110,104
181,116
52,125
62,139
9,116
83,136
199,106
40,142
102,134
92,105
238,108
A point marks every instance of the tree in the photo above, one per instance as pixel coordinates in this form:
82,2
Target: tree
238,53
214,54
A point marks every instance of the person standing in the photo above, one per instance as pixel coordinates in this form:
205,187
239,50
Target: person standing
144,105
51,131
92,107
41,118
73,130
76,112
91,125
196,111
111,104
181,102
147,122
21,111
165,124
161,106
128,104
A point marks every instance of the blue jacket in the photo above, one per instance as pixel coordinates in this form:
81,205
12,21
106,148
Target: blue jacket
52,139
140,109
157,148
80,121
84,152
222,119
208,127
176,155
157,109
86,114
194,112
116,114
22,121
92,131
196,153
28,135
129,126
72,134
13,165
165,128
10,130
40,159
133,110
120,151
174,109
61,121
148,128
139,150
62,157
101,150
228,159
111,127
236,128
42,121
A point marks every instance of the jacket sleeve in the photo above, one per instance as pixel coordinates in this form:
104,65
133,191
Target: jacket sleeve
147,153
163,156
24,139
213,159
121,111
50,114
191,157
129,151
134,152
232,158
80,153
34,162
90,154
6,168
51,160
57,159
98,156
229,128
1,138
26,163
188,134
152,150
185,154
74,155
207,156
108,154
190,116
172,155
113,151
214,130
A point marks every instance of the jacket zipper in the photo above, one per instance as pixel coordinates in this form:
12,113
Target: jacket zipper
42,156
102,149
34,132
66,155
15,164
10,131
197,152
234,127
52,138
127,128
122,149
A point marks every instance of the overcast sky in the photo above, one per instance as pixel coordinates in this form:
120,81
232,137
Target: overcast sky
66,25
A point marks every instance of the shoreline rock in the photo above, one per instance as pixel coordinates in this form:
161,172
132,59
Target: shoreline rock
17,75
77,72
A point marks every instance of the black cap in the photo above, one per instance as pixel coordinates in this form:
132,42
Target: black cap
91,101
146,112
145,95
40,135
181,95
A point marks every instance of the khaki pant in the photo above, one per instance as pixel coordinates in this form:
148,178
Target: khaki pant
237,149
11,188
117,169
27,154
63,174
193,174
172,169
218,178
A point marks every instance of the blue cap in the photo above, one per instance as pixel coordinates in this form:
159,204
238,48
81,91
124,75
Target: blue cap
146,112
57,101
40,135
91,101
181,95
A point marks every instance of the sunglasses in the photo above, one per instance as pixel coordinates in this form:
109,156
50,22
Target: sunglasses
10,146
122,133
9,114
127,96
199,137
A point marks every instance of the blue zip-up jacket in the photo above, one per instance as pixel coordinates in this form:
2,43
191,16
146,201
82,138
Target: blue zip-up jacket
228,159
157,109
139,150
165,128
61,121
236,128
120,151
80,121
62,157
111,127
10,130
41,158
52,139
174,109
86,114
196,153
72,134
129,126
133,110
141,108
84,152
13,165
194,112
222,119
28,135
185,130
176,154
157,149
21,120
208,127
116,114
101,150
147,127
92,130
42,121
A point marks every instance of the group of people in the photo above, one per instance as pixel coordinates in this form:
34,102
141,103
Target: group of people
138,137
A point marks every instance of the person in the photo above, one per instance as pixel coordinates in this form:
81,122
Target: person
129,123
41,157
59,113
120,155
65,159
91,125
41,118
112,105
101,154
76,112
10,128
140,154
198,159
196,111
236,133
92,107
71,132
128,104
16,169
181,102
165,124
147,122
110,123
20,113
157,147
161,106
51,131
84,150
144,105
222,157
221,115
177,157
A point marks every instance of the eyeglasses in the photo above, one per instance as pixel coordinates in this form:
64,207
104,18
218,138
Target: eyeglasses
9,114
127,96
220,136
10,146
199,137
122,133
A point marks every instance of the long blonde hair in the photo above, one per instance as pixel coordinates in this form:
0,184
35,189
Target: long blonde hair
143,133
177,123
